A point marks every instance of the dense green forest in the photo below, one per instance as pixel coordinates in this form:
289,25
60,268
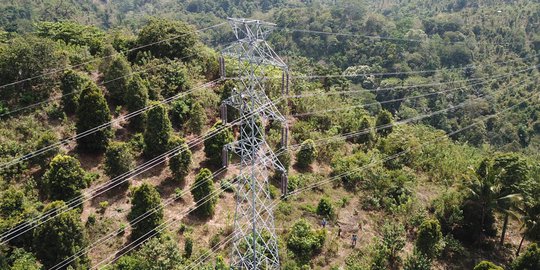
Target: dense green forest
413,124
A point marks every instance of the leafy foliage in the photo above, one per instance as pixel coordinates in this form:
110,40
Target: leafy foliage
72,83
137,99
158,29
307,154
117,76
528,260
303,241
118,159
93,111
486,265
60,238
181,161
429,238
213,145
202,191
158,131
64,179
145,198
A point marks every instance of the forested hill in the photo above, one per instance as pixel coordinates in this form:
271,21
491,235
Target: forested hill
414,133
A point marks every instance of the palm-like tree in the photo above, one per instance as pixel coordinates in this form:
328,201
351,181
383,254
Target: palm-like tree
486,191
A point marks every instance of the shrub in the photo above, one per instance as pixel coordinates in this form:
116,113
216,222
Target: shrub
303,241
188,247
485,265
528,260
158,132
325,208
64,179
118,159
202,191
307,154
417,261
367,136
47,139
213,146
136,99
145,198
93,111
429,238
180,163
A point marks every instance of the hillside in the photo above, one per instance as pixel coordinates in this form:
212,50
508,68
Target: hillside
413,134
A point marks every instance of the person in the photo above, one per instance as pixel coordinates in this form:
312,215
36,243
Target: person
354,239
339,230
324,223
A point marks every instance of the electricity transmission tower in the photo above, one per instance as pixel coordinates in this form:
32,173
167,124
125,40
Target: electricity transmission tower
255,241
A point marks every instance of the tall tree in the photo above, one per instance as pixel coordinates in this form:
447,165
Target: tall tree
93,112
383,122
158,131
71,84
64,179
60,238
136,99
202,191
198,118
117,76
145,199
159,29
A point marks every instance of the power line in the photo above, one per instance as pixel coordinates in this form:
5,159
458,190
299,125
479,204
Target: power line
338,177
376,37
108,56
27,226
132,223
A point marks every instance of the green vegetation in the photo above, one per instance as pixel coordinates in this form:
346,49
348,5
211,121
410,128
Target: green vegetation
369,148
145,198
202,191
158,131
64,178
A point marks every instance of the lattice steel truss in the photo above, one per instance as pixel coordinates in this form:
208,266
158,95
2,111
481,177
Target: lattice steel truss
255,242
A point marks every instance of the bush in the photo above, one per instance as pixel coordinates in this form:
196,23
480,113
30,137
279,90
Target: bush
202,191
485,265
417,261
136,99
145,198
118,159
60,238
64,179
158,132
303,241
93,111
367,136
213,146
180,163
188,247
429,238
528,260
47,139
325,208
307,154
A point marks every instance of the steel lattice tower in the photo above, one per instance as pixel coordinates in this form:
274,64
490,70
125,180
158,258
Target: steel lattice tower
255,242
